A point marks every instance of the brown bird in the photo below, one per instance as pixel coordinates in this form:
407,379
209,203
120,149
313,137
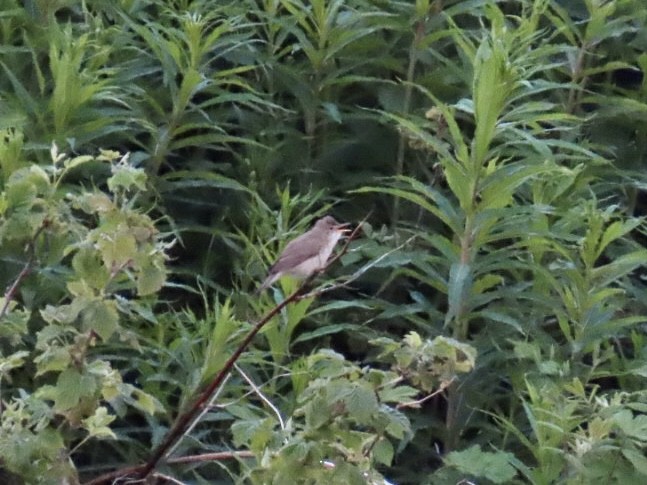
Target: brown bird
308,253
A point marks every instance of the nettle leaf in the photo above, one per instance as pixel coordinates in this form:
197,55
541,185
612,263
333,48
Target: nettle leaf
150,279
318,412
93,203
459,356
71,386
117,249
397,423
97,424
126,177
637,459
102,317
66,314
53,359
14,322
89,266
13,361
383,452
254,433
398,394
634,426
495,467
361,402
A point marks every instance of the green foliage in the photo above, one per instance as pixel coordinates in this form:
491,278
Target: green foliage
342,426
492,329
104,255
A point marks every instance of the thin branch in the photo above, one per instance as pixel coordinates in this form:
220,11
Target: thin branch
27,268
168,478
416,404
261,395
216,456
132,471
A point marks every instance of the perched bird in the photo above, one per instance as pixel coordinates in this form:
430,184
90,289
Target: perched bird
308,253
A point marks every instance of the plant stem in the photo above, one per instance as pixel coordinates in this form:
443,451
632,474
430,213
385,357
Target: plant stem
406,106
10,294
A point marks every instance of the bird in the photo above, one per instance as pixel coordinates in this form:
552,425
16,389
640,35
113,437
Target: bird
308,253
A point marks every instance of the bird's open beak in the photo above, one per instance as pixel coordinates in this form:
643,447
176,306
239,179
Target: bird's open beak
343,228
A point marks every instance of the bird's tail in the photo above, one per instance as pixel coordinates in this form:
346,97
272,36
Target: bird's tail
269,281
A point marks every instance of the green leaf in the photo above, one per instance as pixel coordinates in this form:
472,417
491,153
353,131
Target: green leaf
53,359
102,317
89,266
397,394
361,402
146,402
127,177
495,467
619,267
637,459
13,361
383,452
117,249
460,285
615,231
97,424
150,279
71,386
76,161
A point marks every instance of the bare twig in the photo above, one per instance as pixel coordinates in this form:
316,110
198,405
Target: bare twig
121,475
26,269
258,392
416,404
216,456
168,478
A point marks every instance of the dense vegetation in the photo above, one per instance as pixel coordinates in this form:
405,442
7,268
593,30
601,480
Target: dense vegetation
486,324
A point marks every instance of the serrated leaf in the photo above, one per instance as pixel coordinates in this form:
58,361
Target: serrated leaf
97,424
12,361
637,459
398,425
53,359
495,467
71,386
383,452
127,177
398,394
89,266
117,249
361,402
150,279
102,317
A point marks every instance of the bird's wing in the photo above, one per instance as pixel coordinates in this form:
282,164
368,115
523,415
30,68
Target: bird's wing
294,253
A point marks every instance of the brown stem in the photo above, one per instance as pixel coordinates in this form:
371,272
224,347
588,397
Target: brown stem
204,457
